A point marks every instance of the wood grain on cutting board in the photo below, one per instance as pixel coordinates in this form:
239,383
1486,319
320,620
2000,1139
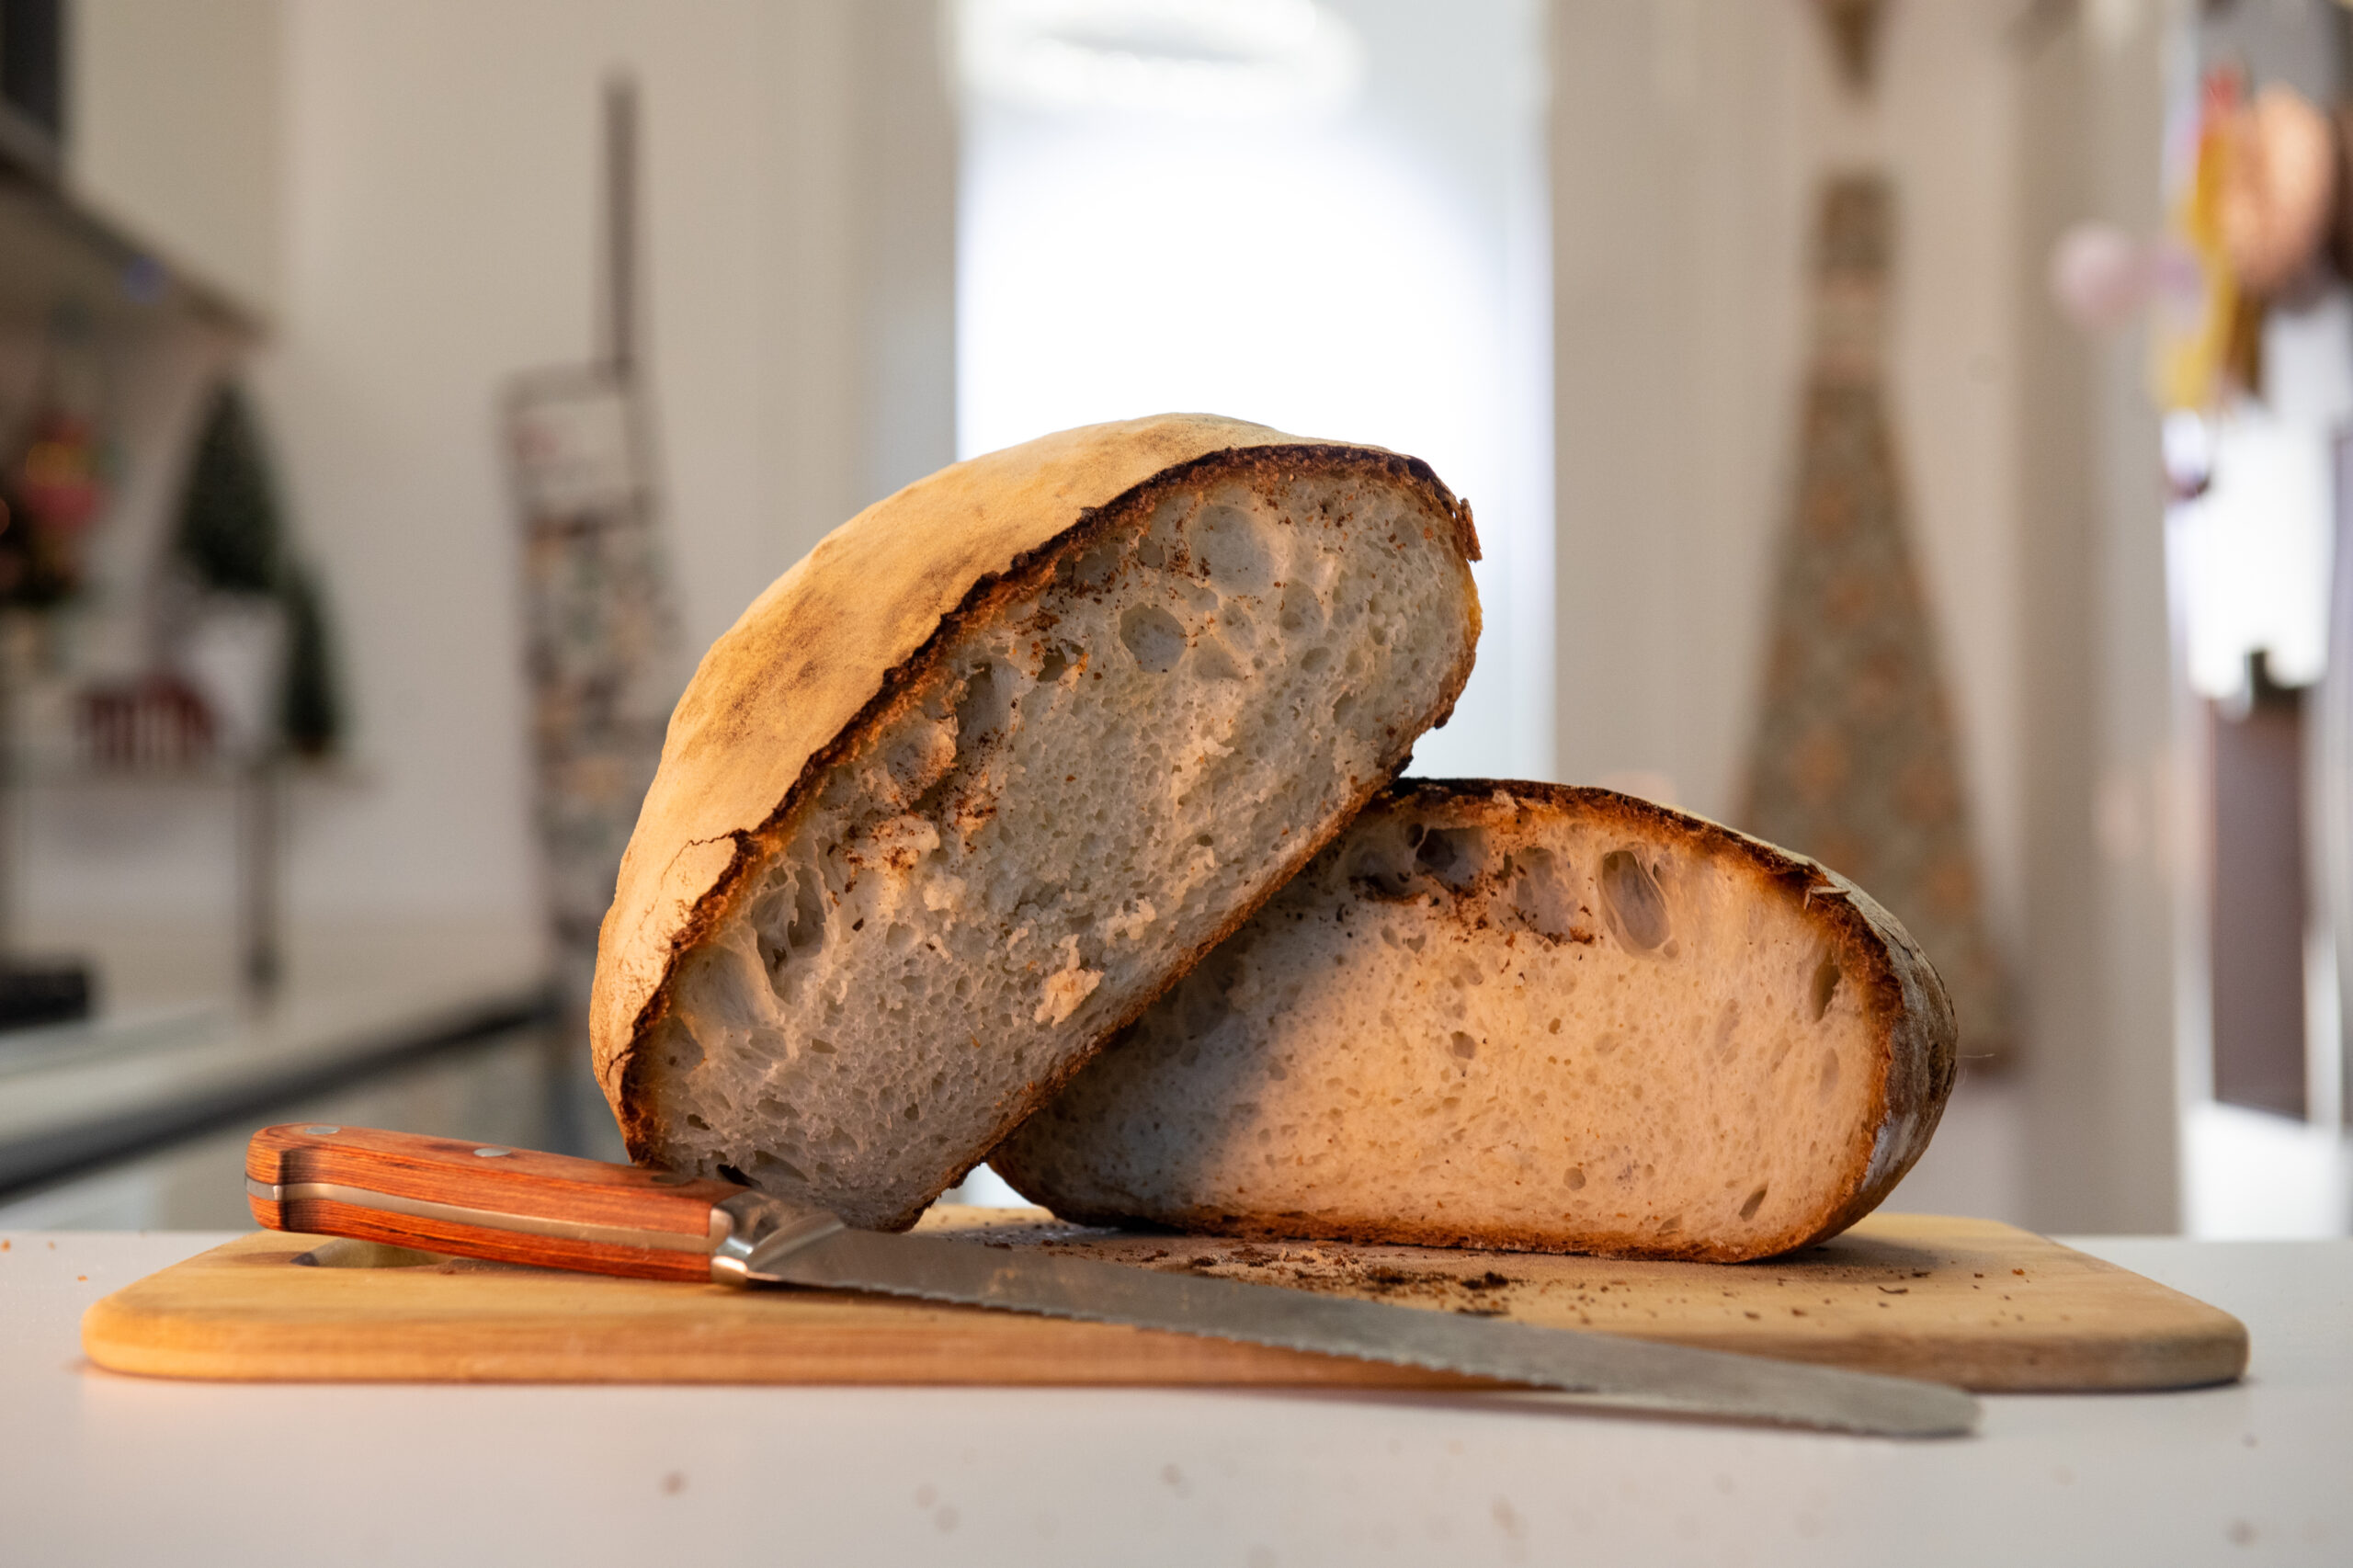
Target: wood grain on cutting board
1965,1302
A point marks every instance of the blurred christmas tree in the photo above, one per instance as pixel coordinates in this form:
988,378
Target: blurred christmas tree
232,537
230,529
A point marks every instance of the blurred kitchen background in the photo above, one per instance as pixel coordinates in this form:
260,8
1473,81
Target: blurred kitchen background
1914,429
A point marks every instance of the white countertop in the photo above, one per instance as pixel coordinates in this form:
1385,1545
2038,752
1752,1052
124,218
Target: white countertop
97,1467
353,998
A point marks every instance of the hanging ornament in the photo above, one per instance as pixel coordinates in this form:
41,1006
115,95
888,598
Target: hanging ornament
1854,36
1856,761
2278,190
53,493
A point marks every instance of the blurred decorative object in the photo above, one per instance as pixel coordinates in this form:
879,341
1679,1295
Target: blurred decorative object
2101,278
2251,550
234,655
1855,760
254,635
309,714
2278,190
1194,59
2208,343
53,492
1854,35
247,632
231,534
158,722
602,645
2252,553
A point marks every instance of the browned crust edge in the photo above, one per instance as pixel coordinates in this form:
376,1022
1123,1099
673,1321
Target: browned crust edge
1916,1062
1030,572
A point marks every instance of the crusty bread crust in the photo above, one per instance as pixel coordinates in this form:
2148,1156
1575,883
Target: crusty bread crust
1912,1026
827,655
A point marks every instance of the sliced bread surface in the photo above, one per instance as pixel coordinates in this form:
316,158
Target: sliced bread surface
972,783
1525,1016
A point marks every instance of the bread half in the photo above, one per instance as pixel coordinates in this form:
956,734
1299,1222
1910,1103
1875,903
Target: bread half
965,789
1520,1016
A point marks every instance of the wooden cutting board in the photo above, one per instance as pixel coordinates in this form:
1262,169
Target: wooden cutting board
1965,1302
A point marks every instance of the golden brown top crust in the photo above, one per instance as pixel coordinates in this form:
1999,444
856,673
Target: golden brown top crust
824,646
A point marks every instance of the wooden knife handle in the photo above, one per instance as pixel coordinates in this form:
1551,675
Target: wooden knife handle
485,1200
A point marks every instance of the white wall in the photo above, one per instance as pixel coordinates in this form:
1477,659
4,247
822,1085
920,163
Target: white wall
438,218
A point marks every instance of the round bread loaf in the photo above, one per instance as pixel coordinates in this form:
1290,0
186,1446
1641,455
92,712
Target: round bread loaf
1528,1016
972,783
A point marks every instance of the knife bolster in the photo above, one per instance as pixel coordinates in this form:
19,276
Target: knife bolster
763,1232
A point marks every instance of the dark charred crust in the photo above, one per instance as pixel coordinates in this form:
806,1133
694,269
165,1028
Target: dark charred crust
1027,572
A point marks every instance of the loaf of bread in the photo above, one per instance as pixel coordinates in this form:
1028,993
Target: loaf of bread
968,787
1520,1016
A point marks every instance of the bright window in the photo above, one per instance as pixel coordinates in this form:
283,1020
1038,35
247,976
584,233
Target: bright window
1325,217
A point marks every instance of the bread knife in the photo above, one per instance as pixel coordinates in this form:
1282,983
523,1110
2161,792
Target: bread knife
517,1206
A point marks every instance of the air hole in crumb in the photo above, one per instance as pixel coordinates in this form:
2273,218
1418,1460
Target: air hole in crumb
1213,660
1053,666
1552,1027
1727,1021
1100,564
822,1047
1829,1073
984,707
1453,855
1155,637
1576,1177
1382,866
1301,610
1226,542
1637,909
807,928
1825,985
764,1161
1756,1200
1464,1046
1540,893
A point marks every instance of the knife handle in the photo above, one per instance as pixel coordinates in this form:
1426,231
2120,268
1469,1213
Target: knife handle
485,1200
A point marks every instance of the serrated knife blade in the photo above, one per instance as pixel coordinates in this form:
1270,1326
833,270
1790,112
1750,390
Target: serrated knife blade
552,1211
